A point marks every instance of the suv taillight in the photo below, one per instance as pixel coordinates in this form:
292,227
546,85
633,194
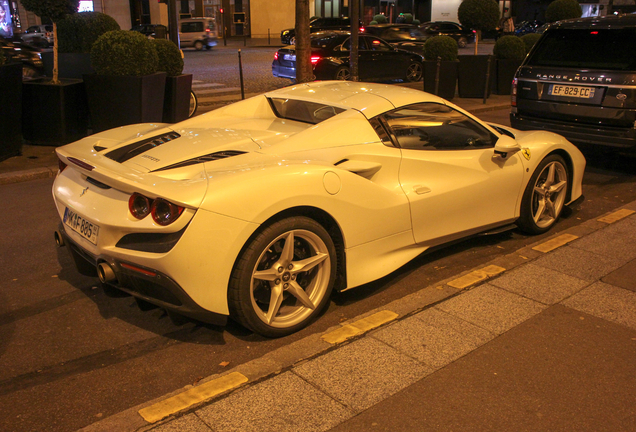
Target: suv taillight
513,93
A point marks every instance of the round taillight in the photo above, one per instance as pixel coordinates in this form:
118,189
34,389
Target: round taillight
164,212
139,205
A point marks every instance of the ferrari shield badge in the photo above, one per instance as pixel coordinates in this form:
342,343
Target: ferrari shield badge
526,153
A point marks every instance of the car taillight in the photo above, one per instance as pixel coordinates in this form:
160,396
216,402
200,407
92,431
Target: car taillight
315,59
276,55
163,211
513,93
361,29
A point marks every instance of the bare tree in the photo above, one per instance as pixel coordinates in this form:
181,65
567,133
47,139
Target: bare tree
304,71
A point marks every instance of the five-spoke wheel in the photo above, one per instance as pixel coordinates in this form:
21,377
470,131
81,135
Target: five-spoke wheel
545,195
343,73
284,277
414,72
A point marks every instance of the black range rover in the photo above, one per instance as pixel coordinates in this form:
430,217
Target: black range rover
579,80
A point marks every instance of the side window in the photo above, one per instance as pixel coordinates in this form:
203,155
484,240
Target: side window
432,126
375,44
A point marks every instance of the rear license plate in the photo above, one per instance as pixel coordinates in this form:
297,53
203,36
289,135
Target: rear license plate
80,225
290,57
571,91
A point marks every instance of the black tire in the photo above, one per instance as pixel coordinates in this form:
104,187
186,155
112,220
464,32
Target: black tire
544,197
294,285
342,73
462,42
414,71
194,104
198,45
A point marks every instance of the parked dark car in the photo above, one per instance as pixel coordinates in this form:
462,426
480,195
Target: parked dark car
288,36
461,34
405,36
378,60
152,30
526,27
30,57
578,81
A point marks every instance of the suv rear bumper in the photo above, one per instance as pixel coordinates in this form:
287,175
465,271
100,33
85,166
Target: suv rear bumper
616,137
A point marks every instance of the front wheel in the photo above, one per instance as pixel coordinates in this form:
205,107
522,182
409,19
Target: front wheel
194,104
284,277
414,72
462,42
544,197
198,45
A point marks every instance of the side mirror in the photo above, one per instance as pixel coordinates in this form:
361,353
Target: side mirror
505,146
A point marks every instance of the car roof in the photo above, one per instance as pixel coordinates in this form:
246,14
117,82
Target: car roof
604,22
371,99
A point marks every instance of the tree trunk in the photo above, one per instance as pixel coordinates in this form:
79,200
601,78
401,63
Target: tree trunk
353,60
56,79
304,71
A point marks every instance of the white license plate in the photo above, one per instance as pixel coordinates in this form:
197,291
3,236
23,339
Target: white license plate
80,225
571,91
290,57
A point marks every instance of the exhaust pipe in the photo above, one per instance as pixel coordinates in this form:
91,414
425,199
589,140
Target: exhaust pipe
59,239
105,273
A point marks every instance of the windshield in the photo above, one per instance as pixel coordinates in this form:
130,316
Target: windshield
612,49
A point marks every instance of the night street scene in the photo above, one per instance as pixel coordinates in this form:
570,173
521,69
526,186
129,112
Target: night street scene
318,215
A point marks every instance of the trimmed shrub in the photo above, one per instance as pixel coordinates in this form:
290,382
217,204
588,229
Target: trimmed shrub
170,60
380,19
123,52
404,18
563,9
78,32
416,22
440,46
479,14
373,23
509,48
529,40
53,9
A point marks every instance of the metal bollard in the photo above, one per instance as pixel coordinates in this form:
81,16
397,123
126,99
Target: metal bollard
241,75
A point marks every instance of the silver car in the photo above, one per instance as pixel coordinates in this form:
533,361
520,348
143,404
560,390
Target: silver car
44,31
197,33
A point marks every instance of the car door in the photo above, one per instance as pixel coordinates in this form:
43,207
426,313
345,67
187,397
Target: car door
384,61
454,182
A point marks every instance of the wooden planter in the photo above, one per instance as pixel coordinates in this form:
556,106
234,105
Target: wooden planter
10,110
70,65
506,70
54,114
115,101
176,103
473,73
447,78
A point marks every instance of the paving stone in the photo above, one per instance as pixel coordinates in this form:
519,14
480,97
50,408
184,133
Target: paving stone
492,308
362,373
606,301
624,277
579,263
538,283
283,403
434,337
614,242
188,423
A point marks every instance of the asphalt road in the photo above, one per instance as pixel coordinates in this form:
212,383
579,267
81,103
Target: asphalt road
72,354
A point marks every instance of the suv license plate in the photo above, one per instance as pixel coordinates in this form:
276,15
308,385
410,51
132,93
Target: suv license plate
290,57
77,223
571,91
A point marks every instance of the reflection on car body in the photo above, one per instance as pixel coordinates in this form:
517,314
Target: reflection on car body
260,209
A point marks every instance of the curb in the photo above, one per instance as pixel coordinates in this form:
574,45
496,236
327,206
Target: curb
316,345
26,175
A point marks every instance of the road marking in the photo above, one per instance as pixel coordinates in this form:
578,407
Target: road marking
350,330
616,216
203,85
476,276
556,242
191,397
218,90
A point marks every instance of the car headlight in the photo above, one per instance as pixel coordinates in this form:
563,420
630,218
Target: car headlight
286,32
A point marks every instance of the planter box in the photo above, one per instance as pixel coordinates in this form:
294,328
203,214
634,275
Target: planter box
176,103
115,101
70,65
10,110
54,114
472,73
506,70
447,78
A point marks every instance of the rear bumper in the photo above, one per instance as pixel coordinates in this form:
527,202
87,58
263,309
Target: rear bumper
615,137
144,283
283,71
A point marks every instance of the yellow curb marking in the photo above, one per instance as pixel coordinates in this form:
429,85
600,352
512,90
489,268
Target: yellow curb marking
358,327
555,243
191,397
616,216
476,276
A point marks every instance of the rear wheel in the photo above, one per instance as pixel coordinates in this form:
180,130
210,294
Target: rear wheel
462,42
194,104
283,278
342,73
414,72
198,45
544,197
